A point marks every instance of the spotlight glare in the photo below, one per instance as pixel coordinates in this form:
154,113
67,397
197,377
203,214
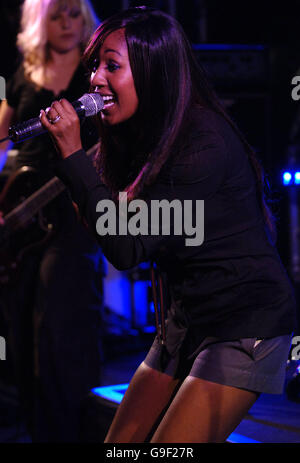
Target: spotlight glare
287,177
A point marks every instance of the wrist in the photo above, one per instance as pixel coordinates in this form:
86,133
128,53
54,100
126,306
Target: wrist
66,152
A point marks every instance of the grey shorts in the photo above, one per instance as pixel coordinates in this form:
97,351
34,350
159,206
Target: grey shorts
248,363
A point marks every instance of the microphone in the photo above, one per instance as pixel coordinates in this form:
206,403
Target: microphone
88,105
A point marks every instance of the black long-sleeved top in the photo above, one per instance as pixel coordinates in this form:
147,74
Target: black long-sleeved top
28,99
233,285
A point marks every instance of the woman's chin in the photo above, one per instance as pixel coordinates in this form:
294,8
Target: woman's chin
106,117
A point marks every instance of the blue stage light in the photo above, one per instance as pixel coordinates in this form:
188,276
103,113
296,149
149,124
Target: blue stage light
116,392
149,329
287,177
235,438
297,178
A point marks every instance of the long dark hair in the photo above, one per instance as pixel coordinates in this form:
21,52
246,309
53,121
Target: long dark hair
168,82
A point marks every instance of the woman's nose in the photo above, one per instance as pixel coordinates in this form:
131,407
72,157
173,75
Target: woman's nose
98,79
65,21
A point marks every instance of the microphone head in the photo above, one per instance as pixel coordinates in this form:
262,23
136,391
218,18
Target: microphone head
92,102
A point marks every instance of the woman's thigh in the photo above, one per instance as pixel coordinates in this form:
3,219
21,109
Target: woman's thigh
148,394
203,411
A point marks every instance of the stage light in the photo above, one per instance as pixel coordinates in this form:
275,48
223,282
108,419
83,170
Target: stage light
235,438
297,178
115,393
291,177
287,177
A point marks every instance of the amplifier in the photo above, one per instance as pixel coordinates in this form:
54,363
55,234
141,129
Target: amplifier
233,67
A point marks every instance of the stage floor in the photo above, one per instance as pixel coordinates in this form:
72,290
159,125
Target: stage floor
272,419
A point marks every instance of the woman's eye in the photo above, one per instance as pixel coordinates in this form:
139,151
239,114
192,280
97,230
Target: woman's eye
111,67
75,14
72,14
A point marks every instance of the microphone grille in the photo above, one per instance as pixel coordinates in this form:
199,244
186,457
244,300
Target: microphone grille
92,102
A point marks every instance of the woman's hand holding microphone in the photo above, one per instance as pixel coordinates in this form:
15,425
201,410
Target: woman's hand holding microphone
63,124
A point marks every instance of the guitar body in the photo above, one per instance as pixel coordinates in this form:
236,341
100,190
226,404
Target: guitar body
28,226
25,233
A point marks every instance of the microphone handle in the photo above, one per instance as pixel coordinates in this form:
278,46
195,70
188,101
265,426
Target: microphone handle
33,127
24,130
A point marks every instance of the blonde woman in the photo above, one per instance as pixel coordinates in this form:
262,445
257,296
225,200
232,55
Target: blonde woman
63,282
53,34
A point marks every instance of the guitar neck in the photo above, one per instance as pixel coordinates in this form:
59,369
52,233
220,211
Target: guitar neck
22,214
30,206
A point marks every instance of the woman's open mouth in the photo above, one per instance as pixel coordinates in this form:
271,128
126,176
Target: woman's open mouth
109,101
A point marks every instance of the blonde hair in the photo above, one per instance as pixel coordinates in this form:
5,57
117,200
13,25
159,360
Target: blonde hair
32,38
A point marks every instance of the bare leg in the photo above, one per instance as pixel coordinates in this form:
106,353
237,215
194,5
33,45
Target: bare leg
146,397
203,411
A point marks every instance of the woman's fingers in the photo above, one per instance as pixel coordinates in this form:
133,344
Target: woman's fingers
62,109
66,105
44,119
54,112
62,122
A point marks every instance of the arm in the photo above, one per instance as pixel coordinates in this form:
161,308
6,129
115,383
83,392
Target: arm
123,251
6,116
198,174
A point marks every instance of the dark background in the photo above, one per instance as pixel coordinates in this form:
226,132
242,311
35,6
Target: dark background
264,110
253,78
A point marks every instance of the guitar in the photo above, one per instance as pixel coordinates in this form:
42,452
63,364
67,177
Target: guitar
26,227
21,215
